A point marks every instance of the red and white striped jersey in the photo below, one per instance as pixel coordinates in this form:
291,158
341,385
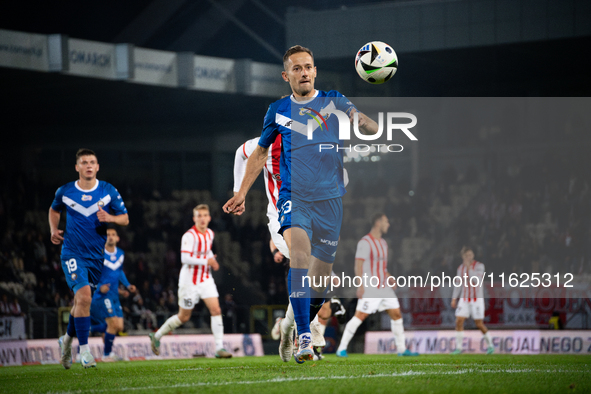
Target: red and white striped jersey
374,253
466,290
198,245
270,171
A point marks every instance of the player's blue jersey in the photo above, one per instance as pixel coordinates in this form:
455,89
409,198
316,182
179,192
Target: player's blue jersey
85,236
307,173
112,274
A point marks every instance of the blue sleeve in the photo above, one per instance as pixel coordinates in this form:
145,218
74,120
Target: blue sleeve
58,204
117,204
270,130
343,103
123,279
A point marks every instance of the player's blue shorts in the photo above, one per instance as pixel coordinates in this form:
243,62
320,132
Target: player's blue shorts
81,272
320,219
104,307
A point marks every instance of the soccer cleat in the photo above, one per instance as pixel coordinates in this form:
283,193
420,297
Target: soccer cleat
408,353
285,345
223,353
87,360
111,358
490,350
276,330
318,353
342,353
317,337
66,353
457,351
338,310
305,351
155,344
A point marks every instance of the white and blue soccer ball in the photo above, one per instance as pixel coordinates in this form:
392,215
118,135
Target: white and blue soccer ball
376,62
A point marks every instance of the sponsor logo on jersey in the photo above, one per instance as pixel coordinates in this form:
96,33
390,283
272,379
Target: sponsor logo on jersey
86,197
297,294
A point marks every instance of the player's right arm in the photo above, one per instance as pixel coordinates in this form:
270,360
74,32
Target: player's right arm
359,273
456,291
254,165
54,218
256,161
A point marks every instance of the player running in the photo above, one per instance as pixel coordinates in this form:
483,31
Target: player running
105,305
471,300
371,259
196,282
89,204
309,204
284,327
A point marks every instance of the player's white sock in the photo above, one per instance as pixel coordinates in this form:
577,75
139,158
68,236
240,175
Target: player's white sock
349,332
320,327
68,340
488,339
169,325
459,340
84,348
217,328
399,337
288,321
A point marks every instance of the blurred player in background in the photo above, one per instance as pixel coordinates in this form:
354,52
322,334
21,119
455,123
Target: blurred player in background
284,327
471,300
371,259
196,282
312,238
105,307
90,205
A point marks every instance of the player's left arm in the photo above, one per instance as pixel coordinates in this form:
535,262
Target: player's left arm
123,280
366,124
119,216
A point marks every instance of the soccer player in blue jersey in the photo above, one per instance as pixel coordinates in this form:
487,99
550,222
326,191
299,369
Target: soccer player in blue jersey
105,305
310,206
90,205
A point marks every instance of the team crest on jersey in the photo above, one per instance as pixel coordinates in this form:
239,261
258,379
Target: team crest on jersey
74,276
86,197
113,258
277,177
110,310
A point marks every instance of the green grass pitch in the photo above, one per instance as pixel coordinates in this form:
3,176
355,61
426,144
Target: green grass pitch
359,373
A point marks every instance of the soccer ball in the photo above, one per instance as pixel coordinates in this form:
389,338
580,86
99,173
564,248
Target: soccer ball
376,62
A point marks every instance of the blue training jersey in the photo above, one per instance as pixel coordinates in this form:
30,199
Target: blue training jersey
85,236
307,172
112,274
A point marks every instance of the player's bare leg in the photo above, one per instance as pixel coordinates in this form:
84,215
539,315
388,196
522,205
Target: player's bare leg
114,325
217,326
173,322
480,325
349,332
459,335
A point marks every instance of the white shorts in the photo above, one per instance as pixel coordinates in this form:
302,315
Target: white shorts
474,309
377,300
275,236
190,294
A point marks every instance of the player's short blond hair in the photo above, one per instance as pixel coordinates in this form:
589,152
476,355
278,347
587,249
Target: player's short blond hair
201,207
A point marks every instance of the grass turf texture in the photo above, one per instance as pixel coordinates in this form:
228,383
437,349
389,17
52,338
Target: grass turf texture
358,373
